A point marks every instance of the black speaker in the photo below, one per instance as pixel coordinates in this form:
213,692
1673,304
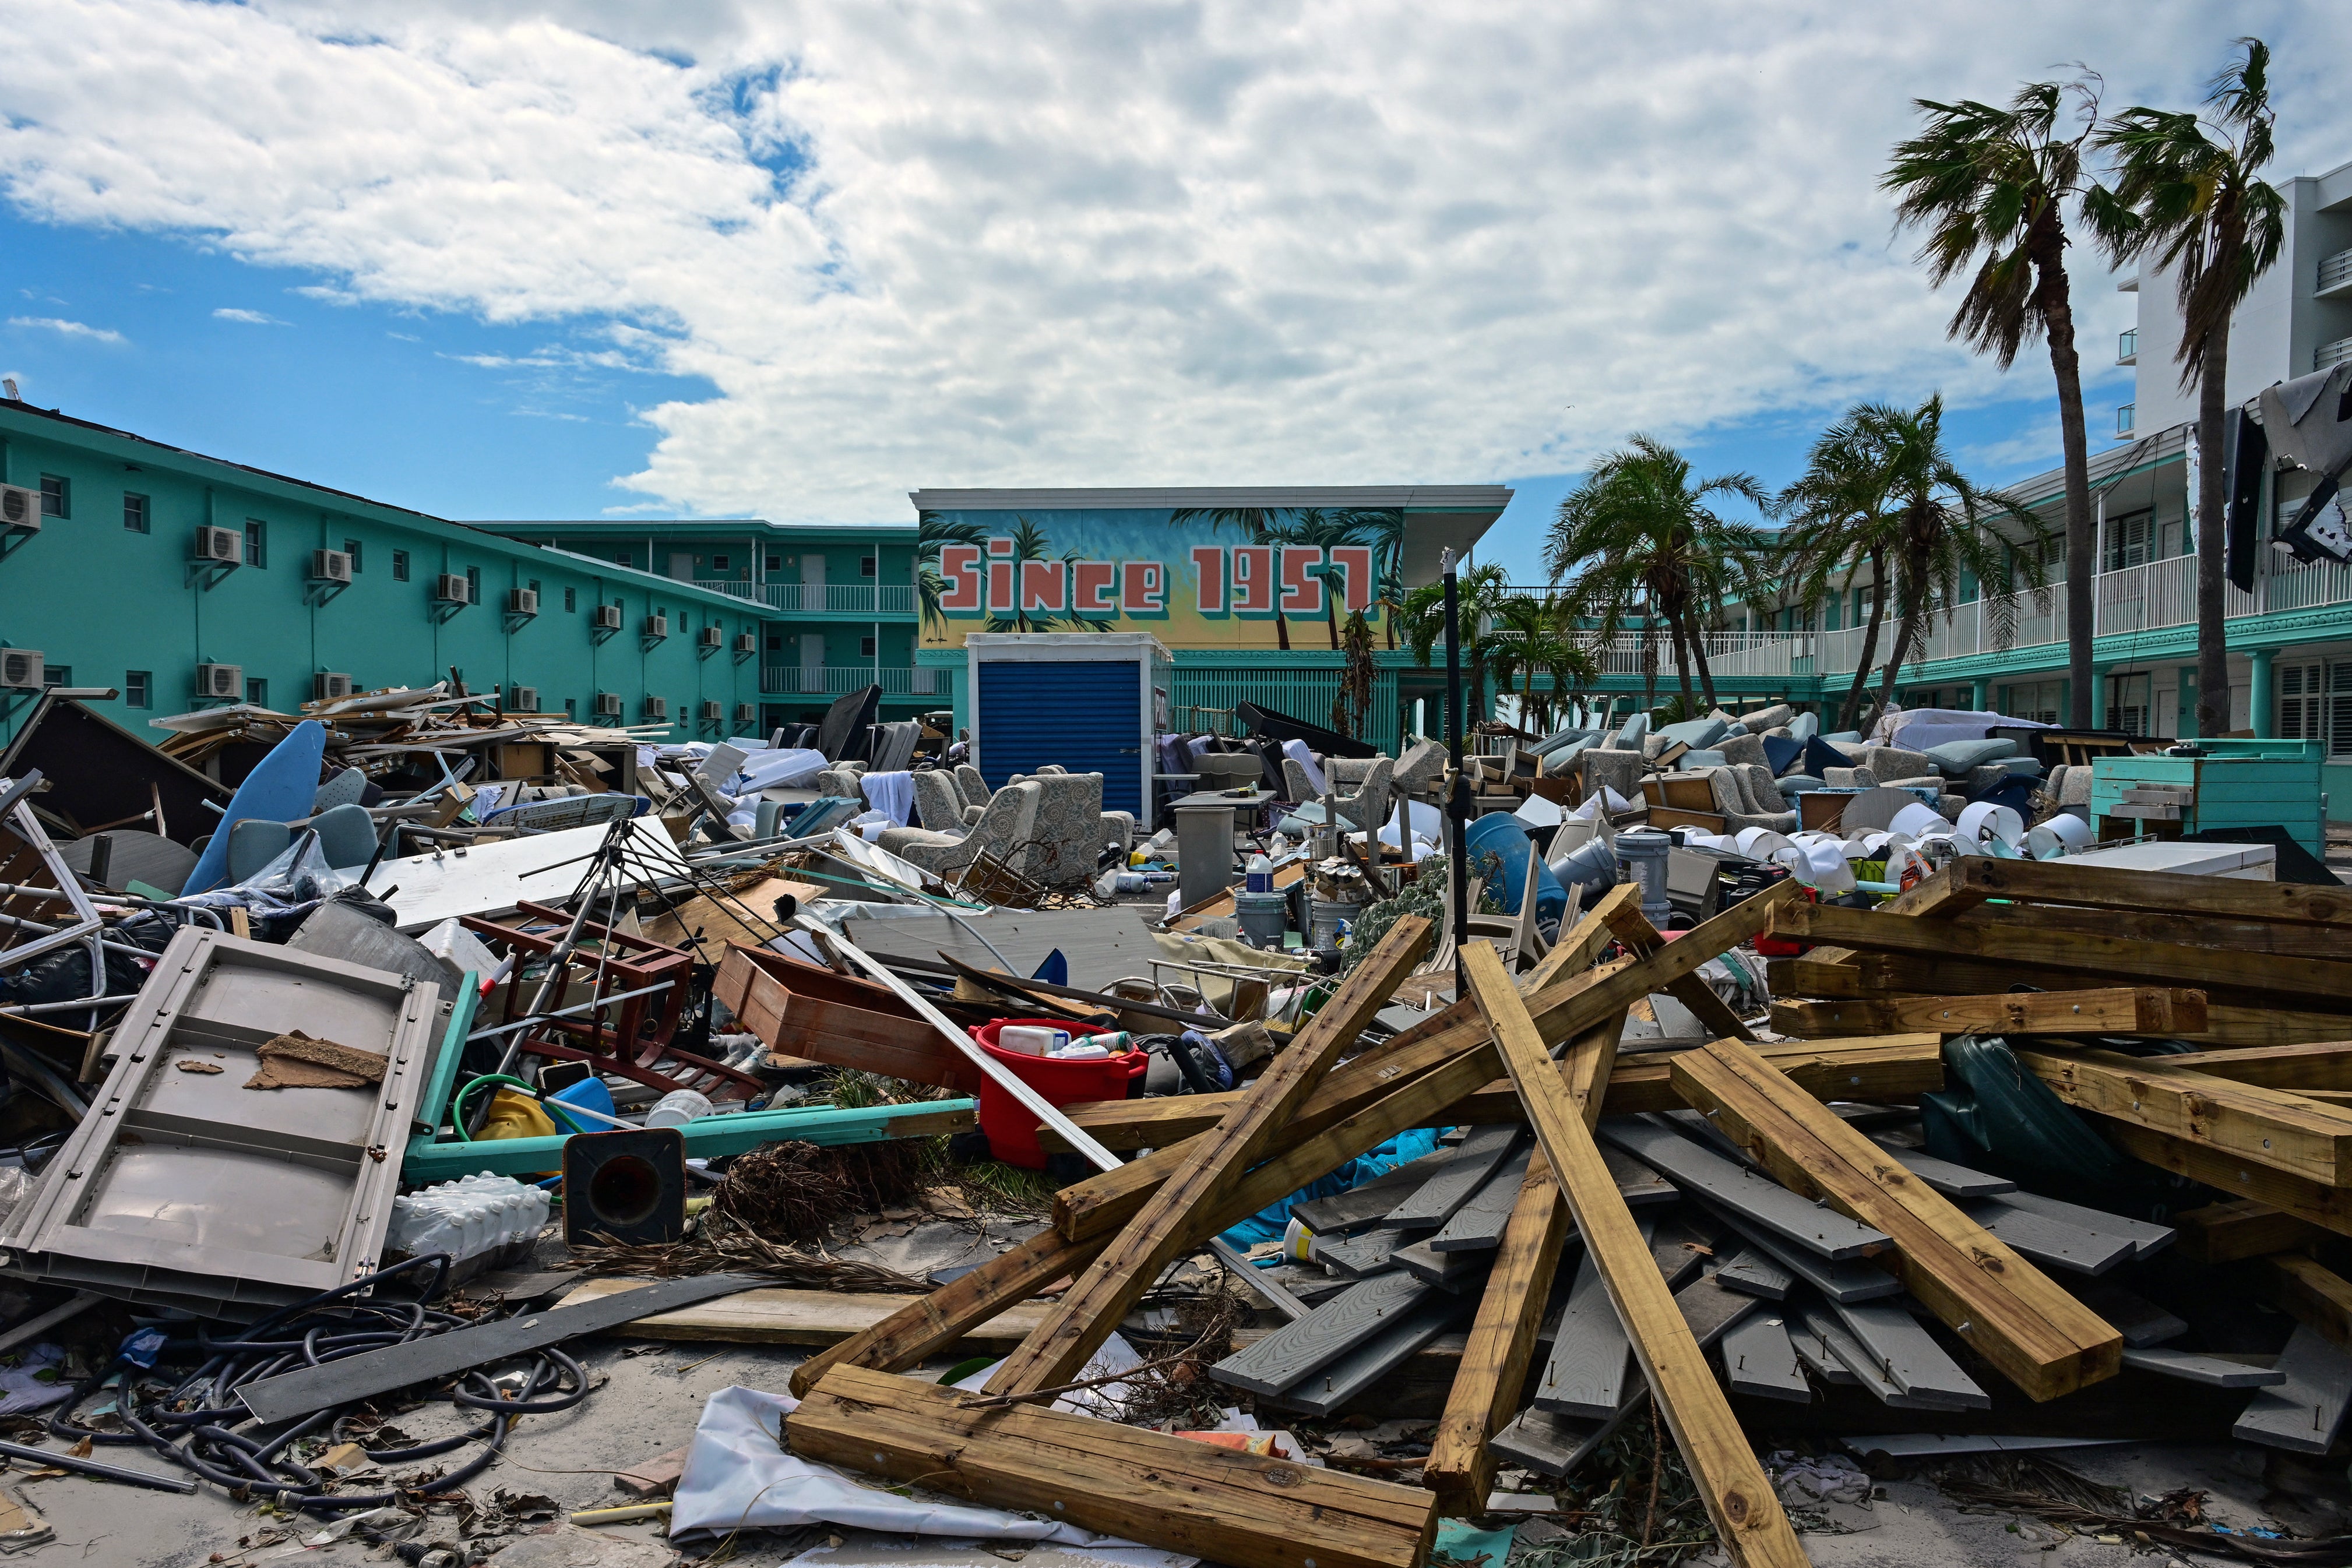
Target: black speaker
625,1186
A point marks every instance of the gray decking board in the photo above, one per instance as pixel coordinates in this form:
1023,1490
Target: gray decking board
2053,1243
1456,1272
1679,1246
1758,1199
1448,1190
1943,1176
1327,1390
1905,1352
1839,1281
1478,1224
2303,1413
1816,1331
1755,1272
2141,1322
1637,1184
2214,1371
1758,1359
1366,1208
1586,1374
2146,1240
1361,1312
1815,1353
1363,1256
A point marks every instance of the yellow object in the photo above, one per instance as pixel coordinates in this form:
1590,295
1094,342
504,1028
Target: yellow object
515,1114
622,1515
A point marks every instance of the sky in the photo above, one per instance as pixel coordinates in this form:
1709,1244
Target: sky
508,260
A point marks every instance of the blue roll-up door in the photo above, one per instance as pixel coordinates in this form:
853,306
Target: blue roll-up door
1086,717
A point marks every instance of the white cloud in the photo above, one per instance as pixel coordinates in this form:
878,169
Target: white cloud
68,328
249,318
1134,241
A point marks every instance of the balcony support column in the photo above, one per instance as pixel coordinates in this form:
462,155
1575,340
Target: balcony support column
2262,714
2099,695
1980,693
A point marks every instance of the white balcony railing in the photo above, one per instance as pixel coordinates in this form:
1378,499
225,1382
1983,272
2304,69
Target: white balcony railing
836,680
848,599
2327,356
2336,273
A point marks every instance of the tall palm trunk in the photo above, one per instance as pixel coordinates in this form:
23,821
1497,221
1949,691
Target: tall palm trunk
2212,543
1706,675
1906,633
1682,661
1853,705
1649,670
2048,247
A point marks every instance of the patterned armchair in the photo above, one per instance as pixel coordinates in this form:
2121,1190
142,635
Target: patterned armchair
939,804
1006,830
1072,828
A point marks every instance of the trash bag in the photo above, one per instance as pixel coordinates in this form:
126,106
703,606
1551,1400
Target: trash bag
63,975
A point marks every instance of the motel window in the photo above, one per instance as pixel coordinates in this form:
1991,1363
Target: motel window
134,512
719,563
56,497
136,687
258,692
473,585
866,647
571,600
400,565
776,561
866,566
351,549
256,542
56,676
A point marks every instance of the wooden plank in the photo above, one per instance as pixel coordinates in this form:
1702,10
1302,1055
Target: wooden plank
2312,981
2299,1068
1758,1359
1939,897
1363,1255
2227,1231
1478,1224
1909,1356
2267,1126
2302,1413
1455,1272
1458,1181
2108,887
2313,1294
2328,1208
1090,1311
1566,1008
2141,1322
1366,1208
1732,1485
2146,1239
1642,938
1129,1481
1838,1282
1585,1374
2111,1011
2052,1244
1756,1199
1753,1272
1343,1382
951,1314
1883,1070
2210,1370
2276,939
1951,1180
779,1315
1297,1349
1823,1340
2003,1308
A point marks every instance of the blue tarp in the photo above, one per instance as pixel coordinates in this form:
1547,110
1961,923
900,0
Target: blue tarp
1267,1223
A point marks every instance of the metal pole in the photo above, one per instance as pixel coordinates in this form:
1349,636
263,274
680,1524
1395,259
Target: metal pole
1456,794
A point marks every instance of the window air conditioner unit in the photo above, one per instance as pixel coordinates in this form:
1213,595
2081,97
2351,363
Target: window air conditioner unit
608,618
222,547
220,680
747,642
452,588
657,708
23,669
711,637
714,713
20,508
745,713
329,566
522,601
327,685
522,699
656,625
608,705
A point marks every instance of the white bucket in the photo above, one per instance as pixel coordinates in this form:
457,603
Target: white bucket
677,1108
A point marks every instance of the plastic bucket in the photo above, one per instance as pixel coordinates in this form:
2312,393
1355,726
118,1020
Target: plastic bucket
1264,916
1012,1128
1507,836
1324,920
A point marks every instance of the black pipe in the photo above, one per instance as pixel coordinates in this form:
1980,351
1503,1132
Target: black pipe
1457,798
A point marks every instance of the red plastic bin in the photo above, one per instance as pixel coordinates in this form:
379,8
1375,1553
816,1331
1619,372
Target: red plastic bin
1012,1128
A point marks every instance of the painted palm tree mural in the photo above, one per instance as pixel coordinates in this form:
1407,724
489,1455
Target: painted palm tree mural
1326,528
1259,525
932,532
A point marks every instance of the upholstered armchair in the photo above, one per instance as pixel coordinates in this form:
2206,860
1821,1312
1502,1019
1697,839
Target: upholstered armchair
1007,830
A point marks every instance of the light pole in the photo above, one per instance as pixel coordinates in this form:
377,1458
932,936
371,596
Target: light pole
1457,786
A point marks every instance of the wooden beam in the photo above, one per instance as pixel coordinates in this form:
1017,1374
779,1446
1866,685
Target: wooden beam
1642,939
1129,1481
2328,1208
2113,1011
2112,958
2313,1295
1580,947
2244,1121
2304,1067
1876,1068
783,1315
2034,1334
1485,1393
2168,892
1940,897
1566,1008
1090,1311
1738,1498
2279,938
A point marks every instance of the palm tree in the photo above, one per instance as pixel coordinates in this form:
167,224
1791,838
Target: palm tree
1481,592
2189,193
1838,523
1995,183
1943,533
1353,704
1330,530
1260,525
1639,538
1029,543
1538,636
931,531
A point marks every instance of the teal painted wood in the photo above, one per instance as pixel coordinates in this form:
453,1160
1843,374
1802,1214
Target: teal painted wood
435,1100
709,1138
2246,783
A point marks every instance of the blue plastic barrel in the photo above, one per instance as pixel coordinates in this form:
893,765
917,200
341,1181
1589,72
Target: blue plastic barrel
1504,835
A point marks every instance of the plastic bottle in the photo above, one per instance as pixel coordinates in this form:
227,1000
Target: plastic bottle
1260,876
1031,1039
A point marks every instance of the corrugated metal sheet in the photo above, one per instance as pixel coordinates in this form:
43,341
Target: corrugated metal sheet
1087,717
